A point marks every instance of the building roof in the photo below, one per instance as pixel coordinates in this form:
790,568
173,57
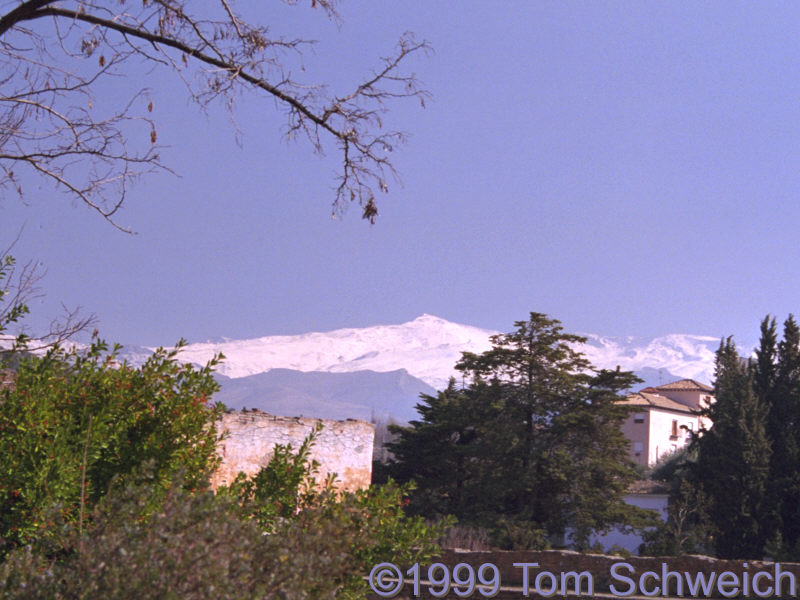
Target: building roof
650,400
685,385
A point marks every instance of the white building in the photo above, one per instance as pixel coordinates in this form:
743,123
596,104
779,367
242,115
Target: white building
664,418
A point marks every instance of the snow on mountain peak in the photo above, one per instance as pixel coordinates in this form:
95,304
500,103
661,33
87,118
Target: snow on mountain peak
428,347
690,356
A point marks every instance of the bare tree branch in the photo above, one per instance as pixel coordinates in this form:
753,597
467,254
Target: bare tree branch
48,125
19,286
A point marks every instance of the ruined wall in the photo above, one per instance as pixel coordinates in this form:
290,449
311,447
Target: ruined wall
342,447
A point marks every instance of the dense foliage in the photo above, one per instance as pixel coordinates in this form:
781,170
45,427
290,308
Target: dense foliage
777,386
202,545
687,528
737,492
734,454
531,446
104,494
75,421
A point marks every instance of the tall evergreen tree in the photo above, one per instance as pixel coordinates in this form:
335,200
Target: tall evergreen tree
544,450
766,358
439,451
781,394
733,458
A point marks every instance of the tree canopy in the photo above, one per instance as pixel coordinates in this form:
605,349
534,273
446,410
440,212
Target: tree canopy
734,454
56,54
531,445
752,447
277,535
74,421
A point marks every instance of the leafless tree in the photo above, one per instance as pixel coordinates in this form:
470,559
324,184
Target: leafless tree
54,55
19,286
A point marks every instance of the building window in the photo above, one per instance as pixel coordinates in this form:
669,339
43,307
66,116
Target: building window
674,434
638,418
638,446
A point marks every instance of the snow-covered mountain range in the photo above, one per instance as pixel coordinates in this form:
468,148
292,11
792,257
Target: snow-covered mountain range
681,355
428,348
380,371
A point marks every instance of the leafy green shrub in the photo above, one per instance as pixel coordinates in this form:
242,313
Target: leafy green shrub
195,547
74,421
286,485
201,545
519,534
617,550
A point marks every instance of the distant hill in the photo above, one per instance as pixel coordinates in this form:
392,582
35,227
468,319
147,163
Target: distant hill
359,395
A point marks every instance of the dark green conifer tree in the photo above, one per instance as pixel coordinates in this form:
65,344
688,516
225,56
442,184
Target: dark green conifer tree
441,451
732,466
780,392
537,433
766,359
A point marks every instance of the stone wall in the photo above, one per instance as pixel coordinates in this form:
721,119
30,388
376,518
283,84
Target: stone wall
342,447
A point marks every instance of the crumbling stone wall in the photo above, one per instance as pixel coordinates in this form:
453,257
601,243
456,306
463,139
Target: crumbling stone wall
342,447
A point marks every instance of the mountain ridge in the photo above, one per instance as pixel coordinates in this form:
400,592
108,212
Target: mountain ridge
379,372
428,347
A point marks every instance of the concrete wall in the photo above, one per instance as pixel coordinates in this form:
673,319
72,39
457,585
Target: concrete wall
654,433
696,400
342,447
639,435
661,440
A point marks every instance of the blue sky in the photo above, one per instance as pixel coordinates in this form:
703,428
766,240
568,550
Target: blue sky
628,168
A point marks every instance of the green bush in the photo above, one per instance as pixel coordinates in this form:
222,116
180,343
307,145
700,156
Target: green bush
104,493
201,545
75,421
195,547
